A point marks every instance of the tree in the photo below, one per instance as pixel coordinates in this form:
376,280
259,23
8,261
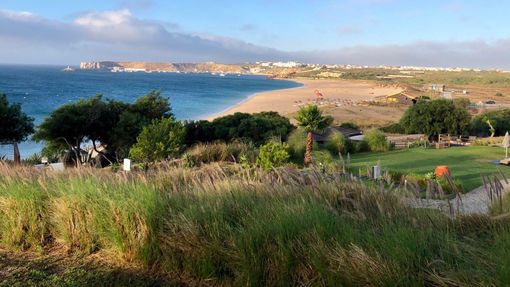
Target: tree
257,127
494,123
15,126
69,125
160,140
436,117
310,119
114,124
131,121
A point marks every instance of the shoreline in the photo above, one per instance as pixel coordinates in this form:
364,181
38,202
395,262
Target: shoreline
340,93
226,111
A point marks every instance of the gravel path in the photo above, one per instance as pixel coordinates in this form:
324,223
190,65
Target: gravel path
473,202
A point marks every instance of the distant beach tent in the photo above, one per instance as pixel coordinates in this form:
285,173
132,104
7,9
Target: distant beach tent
318,94
506,143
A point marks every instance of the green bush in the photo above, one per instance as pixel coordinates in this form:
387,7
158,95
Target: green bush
362,146
220,151
323,159
349,125
376,141
160,140
338,143
395,128
256,127
273,154
419,143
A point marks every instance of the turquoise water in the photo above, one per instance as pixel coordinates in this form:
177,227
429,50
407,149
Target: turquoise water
41,89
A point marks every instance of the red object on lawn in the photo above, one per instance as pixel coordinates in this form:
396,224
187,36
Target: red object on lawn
441,170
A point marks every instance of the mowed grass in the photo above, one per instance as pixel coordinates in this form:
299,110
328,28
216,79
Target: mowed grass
465,163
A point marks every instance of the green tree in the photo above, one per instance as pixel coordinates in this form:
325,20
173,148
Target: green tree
133,118
310,119
436,117
495,123
68,126
160,140
257,127
113,124
15,126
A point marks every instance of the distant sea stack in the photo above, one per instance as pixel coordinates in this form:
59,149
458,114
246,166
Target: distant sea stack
208,67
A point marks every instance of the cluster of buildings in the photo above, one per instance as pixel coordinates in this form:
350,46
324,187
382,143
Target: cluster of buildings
294,64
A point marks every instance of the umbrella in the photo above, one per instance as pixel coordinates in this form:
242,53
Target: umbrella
506,143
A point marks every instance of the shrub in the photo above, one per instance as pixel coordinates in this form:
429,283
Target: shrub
257,128
33,159
161,140
498,94
335,143
419,143
376,141
349,125
338,143
273,154
362,146
395,128
220,151
323,159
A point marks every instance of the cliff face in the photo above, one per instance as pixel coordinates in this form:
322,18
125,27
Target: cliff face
104,65
169,67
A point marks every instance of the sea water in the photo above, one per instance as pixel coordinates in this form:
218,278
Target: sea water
41,89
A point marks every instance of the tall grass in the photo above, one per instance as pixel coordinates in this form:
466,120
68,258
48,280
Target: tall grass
250,227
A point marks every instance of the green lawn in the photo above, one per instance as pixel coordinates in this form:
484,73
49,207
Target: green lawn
465,163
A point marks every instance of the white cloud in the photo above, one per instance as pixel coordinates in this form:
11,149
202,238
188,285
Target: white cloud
116,35
119,35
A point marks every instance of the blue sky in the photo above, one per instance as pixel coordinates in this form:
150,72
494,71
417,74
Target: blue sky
337,31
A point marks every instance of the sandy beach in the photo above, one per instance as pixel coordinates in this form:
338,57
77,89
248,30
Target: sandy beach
339,93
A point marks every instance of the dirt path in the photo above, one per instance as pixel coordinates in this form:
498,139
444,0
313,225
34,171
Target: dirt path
473,202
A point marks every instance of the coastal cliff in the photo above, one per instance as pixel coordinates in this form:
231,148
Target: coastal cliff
166,67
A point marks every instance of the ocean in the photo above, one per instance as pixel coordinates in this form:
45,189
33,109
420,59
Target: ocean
41,89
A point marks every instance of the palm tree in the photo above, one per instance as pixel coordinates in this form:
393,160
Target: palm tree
310,119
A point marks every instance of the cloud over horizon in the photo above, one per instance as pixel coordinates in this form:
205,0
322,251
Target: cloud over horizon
119,35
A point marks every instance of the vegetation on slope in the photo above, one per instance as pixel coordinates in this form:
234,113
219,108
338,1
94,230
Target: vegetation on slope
249,227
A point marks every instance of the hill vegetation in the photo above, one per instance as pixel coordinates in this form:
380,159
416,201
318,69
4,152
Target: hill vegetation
223,226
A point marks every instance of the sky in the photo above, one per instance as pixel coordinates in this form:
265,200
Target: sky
448,33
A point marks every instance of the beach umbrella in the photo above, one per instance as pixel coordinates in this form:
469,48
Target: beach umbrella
506,143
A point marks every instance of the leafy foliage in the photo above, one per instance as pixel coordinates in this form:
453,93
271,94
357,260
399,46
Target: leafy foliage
310,119
160,140
349,125
500,120
257,127
112,123
15,126
376,141
338,143
273,154
395,128
436,117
